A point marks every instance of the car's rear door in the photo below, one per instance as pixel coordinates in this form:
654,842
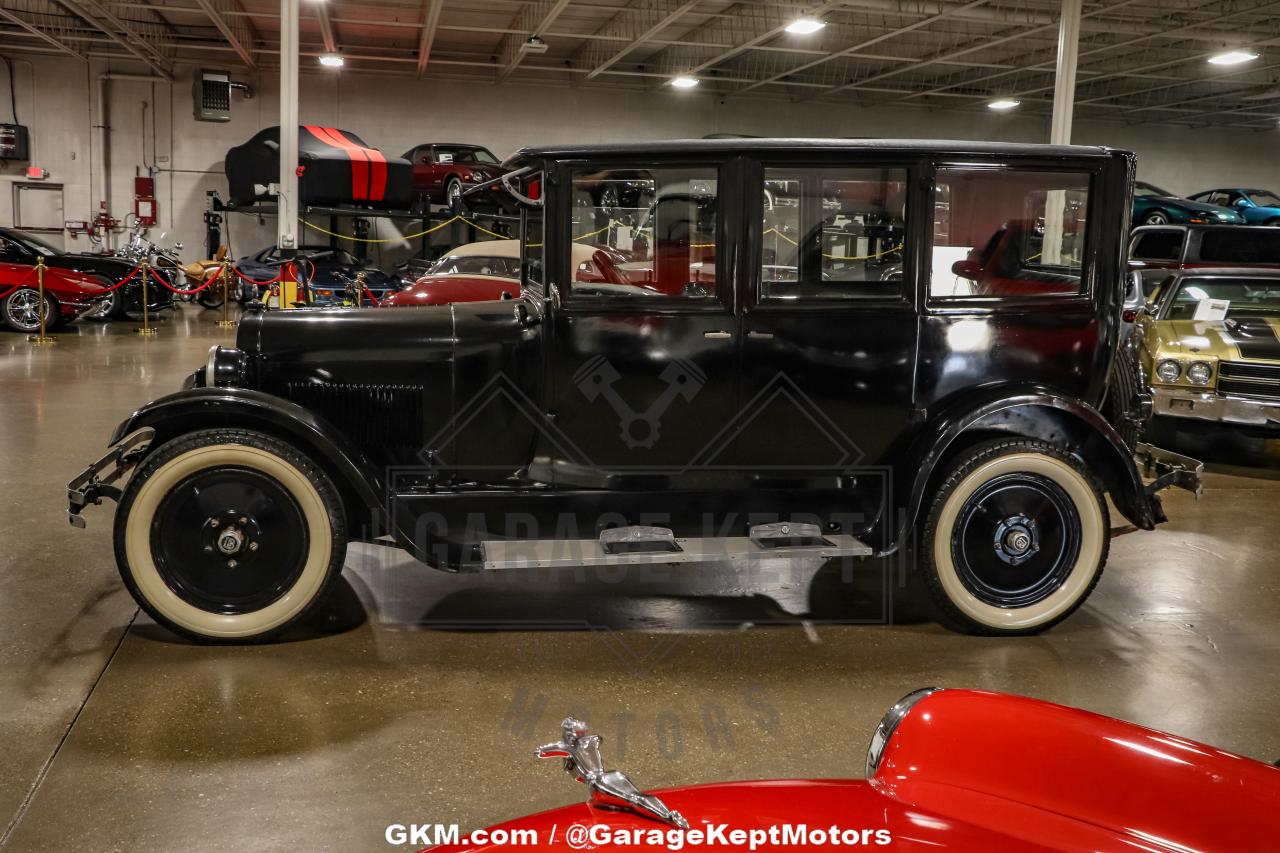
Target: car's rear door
829,345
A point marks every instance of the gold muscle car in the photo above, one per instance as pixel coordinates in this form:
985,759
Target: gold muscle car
1209,344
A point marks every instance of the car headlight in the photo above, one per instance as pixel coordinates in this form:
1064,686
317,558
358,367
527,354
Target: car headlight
888,725
1169,370
225,368
1199,372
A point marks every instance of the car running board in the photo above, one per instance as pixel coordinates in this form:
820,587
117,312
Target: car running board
626,546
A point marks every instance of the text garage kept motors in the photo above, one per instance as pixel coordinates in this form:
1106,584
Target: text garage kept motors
580,836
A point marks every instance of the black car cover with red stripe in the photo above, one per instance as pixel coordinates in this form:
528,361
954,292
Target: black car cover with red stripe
337,169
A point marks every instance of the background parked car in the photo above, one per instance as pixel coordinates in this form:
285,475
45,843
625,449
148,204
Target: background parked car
1154,206
443,170
1258,207
67,295
1153,250
327,272
20,247
338,169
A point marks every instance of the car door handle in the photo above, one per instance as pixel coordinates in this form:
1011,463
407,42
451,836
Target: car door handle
760,336
719,335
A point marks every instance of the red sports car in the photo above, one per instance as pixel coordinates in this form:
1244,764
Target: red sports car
67,295
946,769
443,170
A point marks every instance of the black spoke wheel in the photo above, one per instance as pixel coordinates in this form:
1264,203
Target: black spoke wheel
229,535
1016,538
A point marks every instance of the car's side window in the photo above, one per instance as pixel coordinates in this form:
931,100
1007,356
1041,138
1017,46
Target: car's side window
832,233
644,233
9,251
1012,233
1158,246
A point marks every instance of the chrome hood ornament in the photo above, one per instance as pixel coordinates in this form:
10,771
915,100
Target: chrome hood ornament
581,753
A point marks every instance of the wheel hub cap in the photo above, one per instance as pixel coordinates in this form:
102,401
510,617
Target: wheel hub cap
1015,540
230,540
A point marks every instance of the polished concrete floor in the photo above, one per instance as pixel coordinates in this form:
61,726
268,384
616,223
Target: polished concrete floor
416,696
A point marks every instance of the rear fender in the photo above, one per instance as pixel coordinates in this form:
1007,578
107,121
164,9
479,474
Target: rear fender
1067,423
209,408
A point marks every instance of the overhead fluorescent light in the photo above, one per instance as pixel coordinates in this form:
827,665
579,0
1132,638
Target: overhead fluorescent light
1003,104
1233,57
805,26
332,60
684,81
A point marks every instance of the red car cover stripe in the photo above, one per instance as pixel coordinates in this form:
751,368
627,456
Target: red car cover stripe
368,165
377,165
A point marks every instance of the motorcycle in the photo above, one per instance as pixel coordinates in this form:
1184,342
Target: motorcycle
164,262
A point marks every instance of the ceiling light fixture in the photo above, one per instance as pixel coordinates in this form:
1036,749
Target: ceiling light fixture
1003,104
805,26
1233,57
684,81
332,60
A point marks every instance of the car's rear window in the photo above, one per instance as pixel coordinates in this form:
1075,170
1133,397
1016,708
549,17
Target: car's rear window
1241,246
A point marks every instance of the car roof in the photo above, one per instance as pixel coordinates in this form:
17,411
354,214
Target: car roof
676,147
511,249
1228,272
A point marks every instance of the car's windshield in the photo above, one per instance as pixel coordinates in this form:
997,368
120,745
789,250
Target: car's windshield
477,265
1264,198
40,246
323,254
459,154
1250,296
1142,188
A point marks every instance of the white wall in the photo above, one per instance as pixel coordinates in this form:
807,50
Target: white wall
395,113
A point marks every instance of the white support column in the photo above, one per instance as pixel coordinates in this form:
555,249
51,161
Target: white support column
1064,84
287,220
1064,98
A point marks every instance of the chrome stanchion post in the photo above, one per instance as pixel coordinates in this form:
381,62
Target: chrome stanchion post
145,328
42,307
224,277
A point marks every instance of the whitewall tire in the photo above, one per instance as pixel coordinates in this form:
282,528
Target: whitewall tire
1016,538
229,535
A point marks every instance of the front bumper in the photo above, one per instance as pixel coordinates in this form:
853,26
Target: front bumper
1168,469
1215,407
97,481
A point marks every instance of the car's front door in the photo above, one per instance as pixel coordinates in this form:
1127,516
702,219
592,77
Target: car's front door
829,342
644,339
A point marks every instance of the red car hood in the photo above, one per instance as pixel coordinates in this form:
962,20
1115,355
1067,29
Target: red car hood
978,771
849,805
444,289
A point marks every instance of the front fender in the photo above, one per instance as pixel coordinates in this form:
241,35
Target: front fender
205,408
1039,414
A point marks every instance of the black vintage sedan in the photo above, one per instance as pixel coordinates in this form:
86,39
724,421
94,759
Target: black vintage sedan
701,408
21,247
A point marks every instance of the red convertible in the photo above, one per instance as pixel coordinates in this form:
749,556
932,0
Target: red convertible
67,295
490,269
946,769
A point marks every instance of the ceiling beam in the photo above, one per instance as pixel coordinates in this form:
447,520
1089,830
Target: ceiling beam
41,34
123,35
430,23
237,44
864,44
531,22
326,27
636,25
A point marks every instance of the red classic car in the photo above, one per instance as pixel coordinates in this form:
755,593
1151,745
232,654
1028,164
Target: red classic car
443,170
490,269
946,769
67,295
